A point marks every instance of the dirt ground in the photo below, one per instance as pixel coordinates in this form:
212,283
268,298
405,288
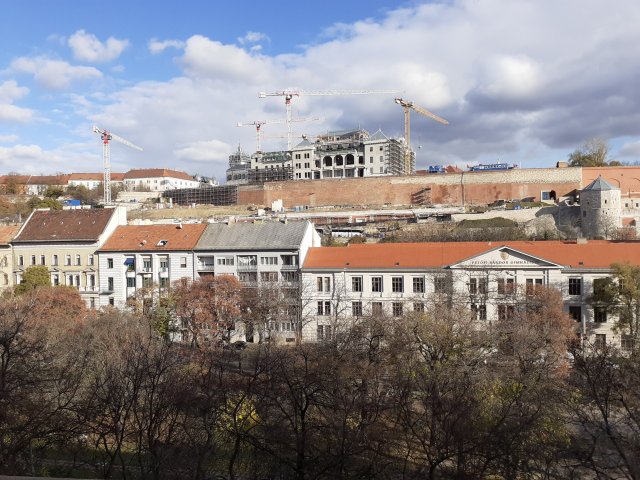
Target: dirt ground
185,213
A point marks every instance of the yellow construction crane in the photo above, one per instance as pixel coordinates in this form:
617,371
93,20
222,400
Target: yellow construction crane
289,94
408,106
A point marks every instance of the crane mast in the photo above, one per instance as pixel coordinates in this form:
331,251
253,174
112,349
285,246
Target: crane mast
289,94
408,105
106,138
259,123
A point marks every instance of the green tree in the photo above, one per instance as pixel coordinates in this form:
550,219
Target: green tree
593,153
53,192
34,277
35,202
620,295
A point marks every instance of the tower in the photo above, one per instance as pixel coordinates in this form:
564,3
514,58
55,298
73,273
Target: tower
599,209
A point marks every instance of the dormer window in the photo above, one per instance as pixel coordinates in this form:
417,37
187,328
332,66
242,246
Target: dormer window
162,243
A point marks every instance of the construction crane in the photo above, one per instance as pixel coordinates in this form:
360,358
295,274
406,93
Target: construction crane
258,124
289,94
408,106
106,157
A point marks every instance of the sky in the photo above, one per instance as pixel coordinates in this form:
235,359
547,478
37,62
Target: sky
523,82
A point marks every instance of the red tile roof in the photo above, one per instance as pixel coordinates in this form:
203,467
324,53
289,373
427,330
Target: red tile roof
7,232
65,225
134,238
593,254
156,172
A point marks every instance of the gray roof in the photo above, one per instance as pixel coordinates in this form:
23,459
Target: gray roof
378,136
253,236
599,184
304,143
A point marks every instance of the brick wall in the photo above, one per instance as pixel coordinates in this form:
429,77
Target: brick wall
448,189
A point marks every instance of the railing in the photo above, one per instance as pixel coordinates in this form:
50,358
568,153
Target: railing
289,267
247,268
207,267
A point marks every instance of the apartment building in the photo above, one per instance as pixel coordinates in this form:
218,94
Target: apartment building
393,279
260,255
66,241
7,233
145,257
158,180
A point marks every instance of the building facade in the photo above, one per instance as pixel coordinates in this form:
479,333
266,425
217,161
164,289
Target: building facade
158,180
7,233
66,242
394,279
145,258
266,259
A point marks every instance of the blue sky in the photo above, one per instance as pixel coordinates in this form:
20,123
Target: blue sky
524,82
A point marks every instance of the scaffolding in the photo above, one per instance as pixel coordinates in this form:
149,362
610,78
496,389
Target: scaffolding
270,174
224,195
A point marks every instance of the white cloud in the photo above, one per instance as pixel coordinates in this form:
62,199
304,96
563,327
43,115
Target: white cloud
9,92
253,37
33,159
159,46
202,151
87,48
630,150
53,74
8,138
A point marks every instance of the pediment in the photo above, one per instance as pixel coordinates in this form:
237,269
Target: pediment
504,258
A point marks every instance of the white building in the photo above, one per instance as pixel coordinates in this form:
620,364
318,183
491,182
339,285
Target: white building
158,180
145,257
93,180
392,279
259,255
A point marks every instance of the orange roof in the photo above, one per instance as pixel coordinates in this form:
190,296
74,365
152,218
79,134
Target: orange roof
86,176
7,232
144,238
157,172
62,179
593,254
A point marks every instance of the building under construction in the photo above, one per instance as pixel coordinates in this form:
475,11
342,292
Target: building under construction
338,154
220,195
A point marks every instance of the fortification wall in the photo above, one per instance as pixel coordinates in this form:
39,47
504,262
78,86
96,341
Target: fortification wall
446,189
627,179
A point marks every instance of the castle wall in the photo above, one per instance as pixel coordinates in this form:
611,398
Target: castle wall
447,189
627,179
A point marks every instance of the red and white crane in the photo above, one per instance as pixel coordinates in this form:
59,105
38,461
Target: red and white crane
289,94
106,137
258,124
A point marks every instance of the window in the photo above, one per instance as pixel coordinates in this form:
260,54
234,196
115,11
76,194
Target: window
575,286
162,243
575,312
505,312
397,284
418,307
418,285
289,276
111,301
78,260
43,260
146,264
600,315
183,262
164,264
376,308
109,262
531,284
289,260
21,261
248,277
506,286
268,260
324,284
324,332
54,260
396,308
90,260
269,276
147,281
91,280
356,309
356,284
131,282
600,341
247,260
483,286
5,279
110,284
376,284
33,259
67,260
599,285
479,311
440,284
627,342
164,282
324,307
223,260
473,286
55,280
92,302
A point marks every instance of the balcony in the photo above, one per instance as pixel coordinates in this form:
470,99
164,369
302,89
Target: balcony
247,268
206,267
289,267
164,273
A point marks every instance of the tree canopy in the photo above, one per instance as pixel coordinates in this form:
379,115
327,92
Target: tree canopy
593,153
